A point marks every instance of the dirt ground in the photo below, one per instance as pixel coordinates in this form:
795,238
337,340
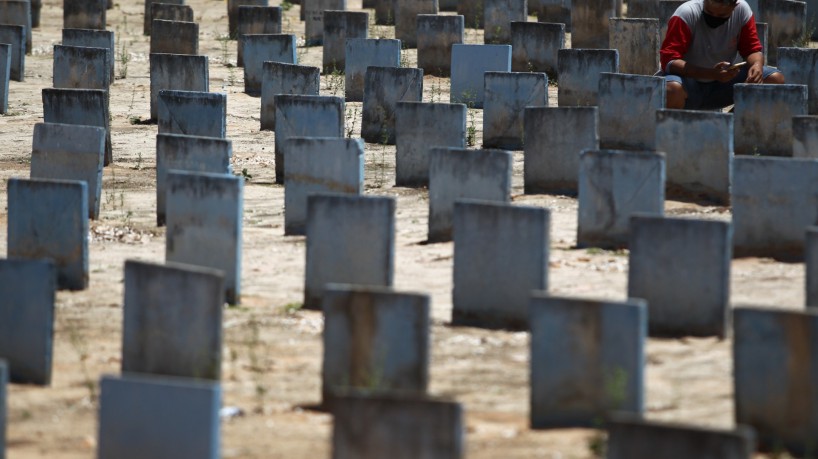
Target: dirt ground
272,352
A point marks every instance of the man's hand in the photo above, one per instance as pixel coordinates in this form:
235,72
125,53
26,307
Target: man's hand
722,72
755,73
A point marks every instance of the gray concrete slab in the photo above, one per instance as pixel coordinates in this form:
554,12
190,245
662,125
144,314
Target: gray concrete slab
384,87
763,117
15,36
84,107
338,27
627,110
579,74
419,127
638,43
256,20
92,39
469,65
177,72
506,97
193,113
280,78
534,47
362,53
259,49
174,37
435,36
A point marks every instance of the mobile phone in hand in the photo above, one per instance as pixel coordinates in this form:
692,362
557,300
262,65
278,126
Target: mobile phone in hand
737,66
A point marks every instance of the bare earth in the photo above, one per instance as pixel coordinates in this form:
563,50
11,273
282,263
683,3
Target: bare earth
272,353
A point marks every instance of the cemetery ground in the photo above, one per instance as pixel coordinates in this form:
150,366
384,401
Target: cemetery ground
272,355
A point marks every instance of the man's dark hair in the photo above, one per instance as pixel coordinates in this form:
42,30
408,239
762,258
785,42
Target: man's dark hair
725,2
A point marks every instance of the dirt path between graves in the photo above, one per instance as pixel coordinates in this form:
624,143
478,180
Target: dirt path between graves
272,354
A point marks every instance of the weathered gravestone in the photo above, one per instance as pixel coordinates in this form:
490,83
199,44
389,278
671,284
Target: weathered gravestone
579,72
498,15
627,110
5,72
506,97
613,185
27,321
787,24
259,49
805,136
774,200
385,12
15,37
555,136
172,320
534,47
419,127
384,87
314,18
187,153
397,426
338,27
469,65
446,5
763,117
643,9
84,107
67,152
279,78
257,20
4,379
587,360
555,12
36,8
638,43
811,266
500,256
350,240
472,12
761,28
698,147
48,219
193,113
667,8
589,23
174,37
148,17
319,165
406,19
84,14
435,37
17,13
179,72
800,66
362,53
682,268
79,67
158,416
170,12
775,383
456,173
305,116
374,338
233,13
92,39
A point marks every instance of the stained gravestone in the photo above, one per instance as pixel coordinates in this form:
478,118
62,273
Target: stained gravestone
81,68
667,8
177,72
259,49
627,110
377,425
233,14
811,266
187,153
506,97
36,8
172,320
385,12
507,244
338,27
805,136
84,14
534,47
170,12
205,210
256,20
589,23
774,381
48,219
761,28
555,12
193,113
84,107
314,18
456,173
92,39
17,13
374,338
469,65
786,21
27,322
384,87
362,53
435,36
555,136
406,19
472,12
498,15
587,360
698,147
279,78
5,72
638,43
774,200
419,127
148,15
763,117
319,165
350,240
643,9
69,152
800,66
305,116
15,37
579,72
166,417
4,379
174,37
613,185
447,5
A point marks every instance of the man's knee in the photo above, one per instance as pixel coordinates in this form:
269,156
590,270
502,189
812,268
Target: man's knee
775,78
675,95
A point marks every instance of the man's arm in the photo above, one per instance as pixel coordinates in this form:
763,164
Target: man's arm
756,70
720,72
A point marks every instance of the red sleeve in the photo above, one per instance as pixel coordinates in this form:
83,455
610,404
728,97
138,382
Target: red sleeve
748,42
677,41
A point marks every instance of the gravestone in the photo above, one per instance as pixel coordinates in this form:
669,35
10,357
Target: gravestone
500,256
456,173
350,240
472,12
447,5
406,19
314,18
81,68
15,37
805,136
319,165
233,13
613,185
643,9
174,37
84,107
555,12
280,78
69,152
259,49
579,72
362,53
36,8
498,17
667,8
469,65
172,320
93,39
48,219
587,360
555,136
774,200
375,339
435,36
763,117
505,99
698,147
5,73
534,47
26,322
800,66
338,27
638,43
17,13
419,127
205,210
811,266
627,110
177,72
385,12
148,17
187,153
681,267
305,116
84,14
384,87
786,25
166,417
193,113
774,382
377,425
256,20
4,379
170,12
589,23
